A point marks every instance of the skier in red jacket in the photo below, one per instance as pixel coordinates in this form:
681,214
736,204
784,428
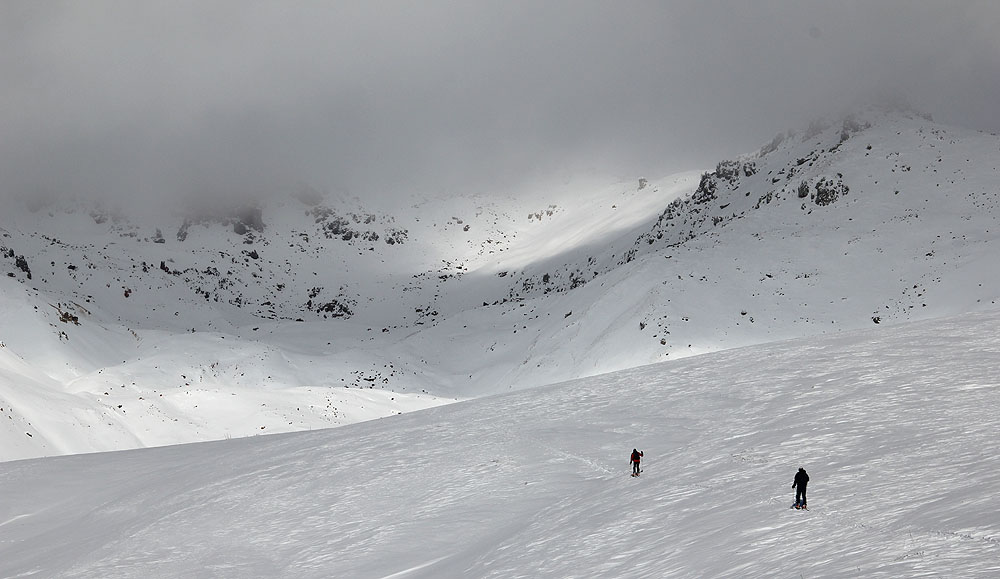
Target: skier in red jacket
636,456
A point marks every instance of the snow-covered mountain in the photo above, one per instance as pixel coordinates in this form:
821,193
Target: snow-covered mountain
123,328
896,426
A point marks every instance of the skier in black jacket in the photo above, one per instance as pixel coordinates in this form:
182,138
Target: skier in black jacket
801,480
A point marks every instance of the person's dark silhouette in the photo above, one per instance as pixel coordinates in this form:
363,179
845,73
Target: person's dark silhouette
636,457
801,481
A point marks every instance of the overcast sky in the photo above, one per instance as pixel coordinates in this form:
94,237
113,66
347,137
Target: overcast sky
367,97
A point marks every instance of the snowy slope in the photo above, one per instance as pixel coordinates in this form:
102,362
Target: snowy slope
118,334
877,219
306,311
895,424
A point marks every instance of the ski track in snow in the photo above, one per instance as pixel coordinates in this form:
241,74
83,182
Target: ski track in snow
896,426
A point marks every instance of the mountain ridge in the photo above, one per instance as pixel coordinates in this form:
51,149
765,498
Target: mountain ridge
879,218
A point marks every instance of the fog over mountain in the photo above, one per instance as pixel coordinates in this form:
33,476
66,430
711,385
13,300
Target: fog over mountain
148,99
526,237
300,312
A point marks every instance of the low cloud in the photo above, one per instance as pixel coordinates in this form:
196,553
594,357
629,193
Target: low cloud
154,99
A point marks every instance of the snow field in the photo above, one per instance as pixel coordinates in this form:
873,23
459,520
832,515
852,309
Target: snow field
105,388
896,426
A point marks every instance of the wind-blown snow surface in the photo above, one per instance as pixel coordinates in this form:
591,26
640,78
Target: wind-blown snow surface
896,426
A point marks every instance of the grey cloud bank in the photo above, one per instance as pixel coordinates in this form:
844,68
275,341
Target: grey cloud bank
375,98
